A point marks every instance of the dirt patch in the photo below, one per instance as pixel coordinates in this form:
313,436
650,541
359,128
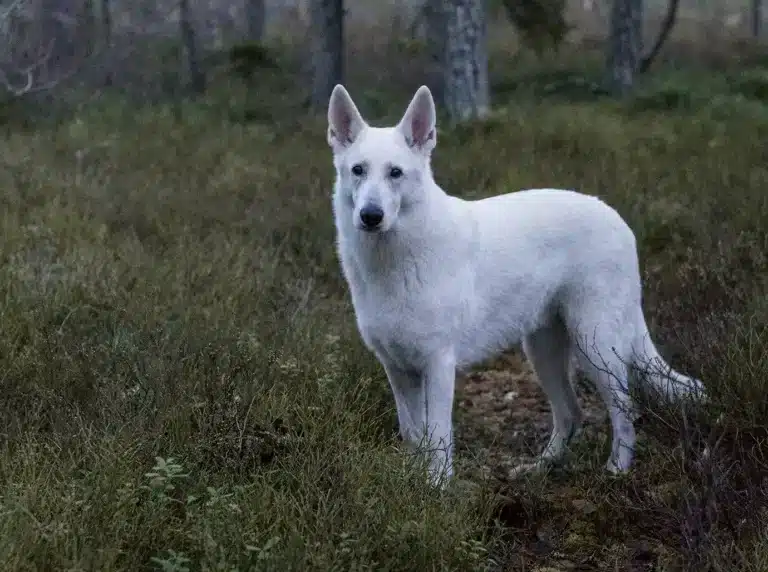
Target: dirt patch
503,419
503,416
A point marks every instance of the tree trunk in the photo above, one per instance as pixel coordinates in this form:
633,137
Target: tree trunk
757,18
434,32
327,42
189,43
465,70
255,15
106,40
624,45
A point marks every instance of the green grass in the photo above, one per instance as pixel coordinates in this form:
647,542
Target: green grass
183,386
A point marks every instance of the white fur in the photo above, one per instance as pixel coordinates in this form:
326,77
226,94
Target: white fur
443,283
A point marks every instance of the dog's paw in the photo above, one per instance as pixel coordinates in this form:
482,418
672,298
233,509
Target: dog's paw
527,468
614,469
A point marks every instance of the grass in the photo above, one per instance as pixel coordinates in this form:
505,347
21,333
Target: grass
183,387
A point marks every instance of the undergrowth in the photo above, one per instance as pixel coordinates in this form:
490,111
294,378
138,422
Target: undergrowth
183,387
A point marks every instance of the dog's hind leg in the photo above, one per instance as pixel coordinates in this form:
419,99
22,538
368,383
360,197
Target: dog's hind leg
548,350
602,362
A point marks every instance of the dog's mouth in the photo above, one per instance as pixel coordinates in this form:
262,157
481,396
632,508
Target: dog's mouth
371,228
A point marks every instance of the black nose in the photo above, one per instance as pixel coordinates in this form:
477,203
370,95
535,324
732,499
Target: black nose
371,215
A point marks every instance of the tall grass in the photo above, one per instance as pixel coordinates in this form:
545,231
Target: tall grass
182,386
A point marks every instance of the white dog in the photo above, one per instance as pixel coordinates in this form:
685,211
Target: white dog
439,283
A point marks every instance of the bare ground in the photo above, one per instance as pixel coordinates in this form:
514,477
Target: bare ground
503,419
503,416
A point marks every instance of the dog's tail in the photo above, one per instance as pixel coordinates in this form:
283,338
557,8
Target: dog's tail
658,375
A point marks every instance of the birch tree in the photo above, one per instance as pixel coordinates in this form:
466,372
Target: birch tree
433,15
465,64
625,45
255,16
104,13
327,45
189,42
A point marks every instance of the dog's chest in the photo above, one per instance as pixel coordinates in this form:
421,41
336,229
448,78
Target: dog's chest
406,320
399,332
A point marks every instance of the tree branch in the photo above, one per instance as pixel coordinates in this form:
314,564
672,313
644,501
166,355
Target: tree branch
666,28
18,79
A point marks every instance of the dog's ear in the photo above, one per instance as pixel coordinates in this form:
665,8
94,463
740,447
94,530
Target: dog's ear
344,120
418,125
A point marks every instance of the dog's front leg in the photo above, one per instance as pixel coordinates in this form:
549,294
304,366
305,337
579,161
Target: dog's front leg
424,411
439,380
409,396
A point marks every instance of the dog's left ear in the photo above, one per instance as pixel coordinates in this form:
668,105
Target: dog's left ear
418,125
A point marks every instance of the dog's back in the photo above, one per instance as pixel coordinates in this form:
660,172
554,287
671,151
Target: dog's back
536,253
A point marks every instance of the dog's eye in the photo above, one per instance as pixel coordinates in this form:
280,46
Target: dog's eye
395,172
358,170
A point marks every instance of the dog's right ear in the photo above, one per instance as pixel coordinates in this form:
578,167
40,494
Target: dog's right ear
344,120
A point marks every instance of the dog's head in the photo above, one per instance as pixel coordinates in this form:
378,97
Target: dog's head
381,171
